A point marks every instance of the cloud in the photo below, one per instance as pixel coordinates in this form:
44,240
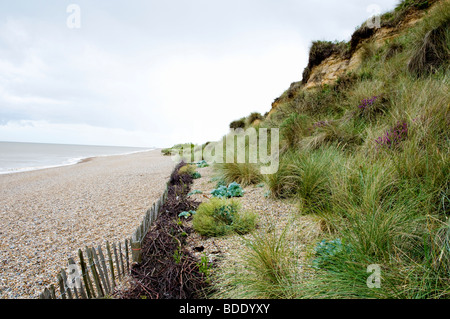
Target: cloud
158,72
44,132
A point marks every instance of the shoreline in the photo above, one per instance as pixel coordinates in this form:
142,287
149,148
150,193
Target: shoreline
47,215
73,161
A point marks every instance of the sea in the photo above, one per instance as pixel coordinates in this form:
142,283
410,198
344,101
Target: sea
18,157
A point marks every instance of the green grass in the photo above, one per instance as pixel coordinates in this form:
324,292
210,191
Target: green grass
242,173
390,203
222,217
265,268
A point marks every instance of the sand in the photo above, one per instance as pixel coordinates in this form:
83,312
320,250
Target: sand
47,215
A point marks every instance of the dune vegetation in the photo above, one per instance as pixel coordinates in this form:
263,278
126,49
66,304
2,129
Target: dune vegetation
369,157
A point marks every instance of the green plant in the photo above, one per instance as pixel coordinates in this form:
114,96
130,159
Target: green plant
254,117
325,251
204,265
432,42
177,255
202,164
220,217
242,173
186,215
387,202
266,269
233,190
293,129
196,175
187,169
238,124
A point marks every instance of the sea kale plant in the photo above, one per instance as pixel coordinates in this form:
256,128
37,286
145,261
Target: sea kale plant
326,251
233,190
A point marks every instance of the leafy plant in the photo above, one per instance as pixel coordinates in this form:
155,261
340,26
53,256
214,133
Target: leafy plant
196,175
177,256
202,164
204,265
187,214
220,192
233,190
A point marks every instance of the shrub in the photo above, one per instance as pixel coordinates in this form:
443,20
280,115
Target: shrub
280,184
323,102
220,217
166,151
238,124
180,178
187,169
306,176
254,116
310,175
266,269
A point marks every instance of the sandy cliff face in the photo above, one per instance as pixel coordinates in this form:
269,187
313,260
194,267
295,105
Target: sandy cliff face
338,64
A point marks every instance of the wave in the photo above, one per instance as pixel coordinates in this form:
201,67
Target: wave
67,162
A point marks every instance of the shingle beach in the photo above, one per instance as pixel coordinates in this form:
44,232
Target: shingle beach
47,215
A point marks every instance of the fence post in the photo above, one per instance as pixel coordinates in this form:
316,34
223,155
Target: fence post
136,252
111,265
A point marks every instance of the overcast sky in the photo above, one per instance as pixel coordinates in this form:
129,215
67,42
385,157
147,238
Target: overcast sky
155,73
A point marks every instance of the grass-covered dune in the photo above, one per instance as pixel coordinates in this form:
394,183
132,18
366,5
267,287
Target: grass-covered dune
369,157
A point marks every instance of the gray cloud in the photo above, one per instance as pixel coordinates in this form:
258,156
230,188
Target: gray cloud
175,70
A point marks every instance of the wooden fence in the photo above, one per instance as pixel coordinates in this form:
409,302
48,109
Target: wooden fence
99,271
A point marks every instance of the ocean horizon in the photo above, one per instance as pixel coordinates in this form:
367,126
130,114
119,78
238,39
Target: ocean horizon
16,157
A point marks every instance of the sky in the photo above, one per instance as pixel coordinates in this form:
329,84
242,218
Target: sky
155,73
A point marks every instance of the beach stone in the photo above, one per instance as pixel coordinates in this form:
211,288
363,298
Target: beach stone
47,215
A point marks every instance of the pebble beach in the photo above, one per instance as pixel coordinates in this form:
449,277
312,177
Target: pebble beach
47,215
